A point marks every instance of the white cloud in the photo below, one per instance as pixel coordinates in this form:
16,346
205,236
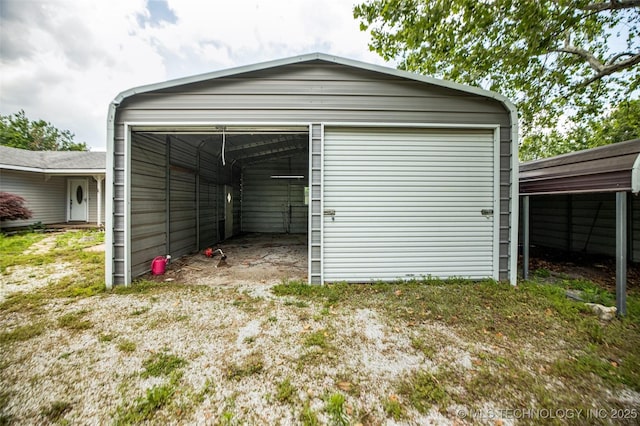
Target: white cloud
64,61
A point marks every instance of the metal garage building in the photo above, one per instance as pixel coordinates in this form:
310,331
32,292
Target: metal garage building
391,175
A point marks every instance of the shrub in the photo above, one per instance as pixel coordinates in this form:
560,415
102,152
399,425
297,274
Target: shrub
12,207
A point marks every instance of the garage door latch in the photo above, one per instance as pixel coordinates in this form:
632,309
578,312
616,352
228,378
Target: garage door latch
486,212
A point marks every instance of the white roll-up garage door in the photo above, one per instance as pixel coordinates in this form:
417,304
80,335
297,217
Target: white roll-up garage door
409,203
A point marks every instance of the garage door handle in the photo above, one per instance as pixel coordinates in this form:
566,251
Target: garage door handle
486,212
329,212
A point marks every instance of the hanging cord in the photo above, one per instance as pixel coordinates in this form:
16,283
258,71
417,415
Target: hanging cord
223,144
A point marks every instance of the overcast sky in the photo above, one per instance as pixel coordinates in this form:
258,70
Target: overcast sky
64,61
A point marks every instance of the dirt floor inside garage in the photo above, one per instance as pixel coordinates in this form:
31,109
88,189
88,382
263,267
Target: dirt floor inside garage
250,258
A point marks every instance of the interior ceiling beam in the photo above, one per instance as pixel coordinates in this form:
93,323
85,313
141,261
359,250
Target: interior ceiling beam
256,160
263,155
273,141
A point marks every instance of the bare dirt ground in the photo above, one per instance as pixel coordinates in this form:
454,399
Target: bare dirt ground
253,258
210,345
595,268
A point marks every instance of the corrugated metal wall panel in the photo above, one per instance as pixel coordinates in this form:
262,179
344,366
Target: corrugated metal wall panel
549,221
207,209
148,203
594,223
407,203
275,205
182,213
46,197
581,223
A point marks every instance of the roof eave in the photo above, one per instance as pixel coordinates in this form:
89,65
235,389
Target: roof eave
52,171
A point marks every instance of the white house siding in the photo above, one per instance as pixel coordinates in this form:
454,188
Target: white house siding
45,196
312,92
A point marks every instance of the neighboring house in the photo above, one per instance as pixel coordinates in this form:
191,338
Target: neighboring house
58,186
391,175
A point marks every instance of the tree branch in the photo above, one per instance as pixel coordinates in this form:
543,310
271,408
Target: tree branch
586,55
618,56
612,5
613,68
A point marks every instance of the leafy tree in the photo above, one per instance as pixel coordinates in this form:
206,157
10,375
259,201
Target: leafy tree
12,207
553,58
19,132
622,124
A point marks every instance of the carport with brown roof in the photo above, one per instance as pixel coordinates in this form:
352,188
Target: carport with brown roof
609,169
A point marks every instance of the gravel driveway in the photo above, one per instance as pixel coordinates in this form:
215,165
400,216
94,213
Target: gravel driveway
216,350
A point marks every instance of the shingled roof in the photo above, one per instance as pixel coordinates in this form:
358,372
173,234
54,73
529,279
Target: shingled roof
52,161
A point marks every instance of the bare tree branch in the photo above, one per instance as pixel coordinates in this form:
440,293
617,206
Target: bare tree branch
610,69
618,56
584,54
612,5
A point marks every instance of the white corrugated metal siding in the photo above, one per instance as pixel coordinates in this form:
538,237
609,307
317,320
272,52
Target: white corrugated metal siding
408,203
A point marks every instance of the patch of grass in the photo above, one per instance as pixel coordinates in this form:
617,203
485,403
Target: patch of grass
425,348
582,366
252,364
106,337
140,286
22,333
393,408
227,418
541,273
56,410
423,390
335,408
89,281
5,419
145,407
246,302
79,239
12,248
141,311
75,321
127,346
161,364
307,416
209,388
24,302
285,391
296,303
317,338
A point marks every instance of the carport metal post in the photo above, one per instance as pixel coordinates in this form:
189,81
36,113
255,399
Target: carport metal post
525,237
621,253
